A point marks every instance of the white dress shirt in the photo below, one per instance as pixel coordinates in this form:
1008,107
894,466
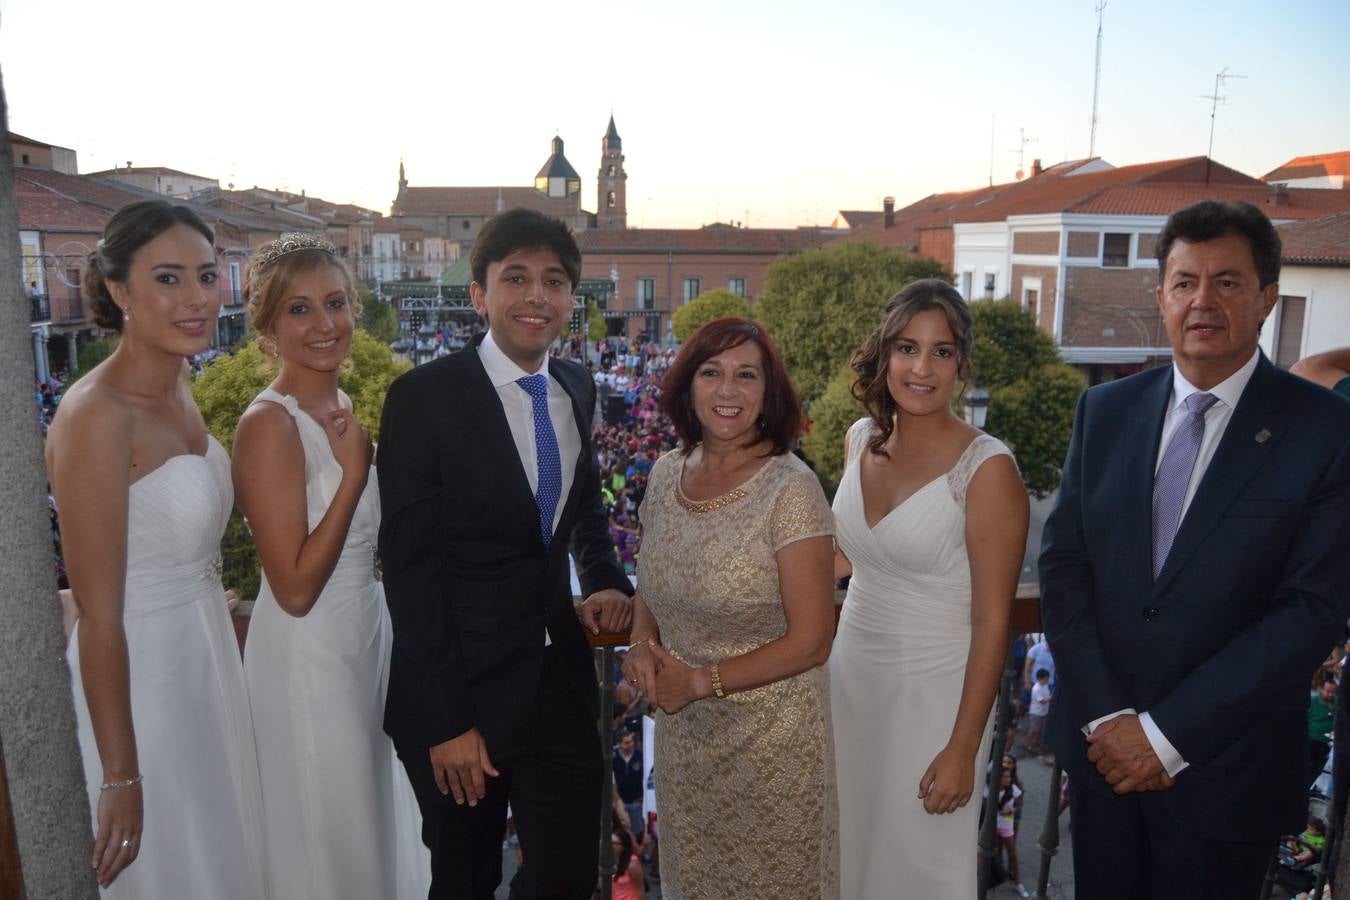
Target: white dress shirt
519,409
1229,392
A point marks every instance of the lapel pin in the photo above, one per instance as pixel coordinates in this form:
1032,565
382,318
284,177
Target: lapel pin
1263,435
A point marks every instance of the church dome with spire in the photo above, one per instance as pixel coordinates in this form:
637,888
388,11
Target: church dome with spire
557,178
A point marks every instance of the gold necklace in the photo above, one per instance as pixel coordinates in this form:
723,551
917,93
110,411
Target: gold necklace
706,506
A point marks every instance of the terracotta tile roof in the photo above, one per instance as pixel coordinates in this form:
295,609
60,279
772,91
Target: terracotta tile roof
1324,241
109,196
933,210
44,209
386,225
479,201
15,138
147,170
1056,190
1318,165
1163,199
709,239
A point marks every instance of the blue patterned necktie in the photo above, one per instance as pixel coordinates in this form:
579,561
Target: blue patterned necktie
546,454
1174,476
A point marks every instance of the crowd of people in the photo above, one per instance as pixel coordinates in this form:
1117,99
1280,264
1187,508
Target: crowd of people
378,728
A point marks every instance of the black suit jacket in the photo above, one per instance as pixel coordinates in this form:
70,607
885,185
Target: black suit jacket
469,582
1220,650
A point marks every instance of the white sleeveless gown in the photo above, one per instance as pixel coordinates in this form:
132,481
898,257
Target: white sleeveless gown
340,818
194,740
896,673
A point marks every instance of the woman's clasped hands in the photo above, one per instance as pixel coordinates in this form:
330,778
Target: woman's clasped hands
670,683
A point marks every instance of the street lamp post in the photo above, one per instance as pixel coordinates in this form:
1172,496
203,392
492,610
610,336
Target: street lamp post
977,407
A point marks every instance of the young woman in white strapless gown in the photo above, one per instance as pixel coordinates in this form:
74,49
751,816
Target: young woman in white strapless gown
144,496
340,817
932,517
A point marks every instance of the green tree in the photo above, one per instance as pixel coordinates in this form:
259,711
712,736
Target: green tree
596,324
821,304
91,354
831,415
718,303
1032,392
377,316
231,382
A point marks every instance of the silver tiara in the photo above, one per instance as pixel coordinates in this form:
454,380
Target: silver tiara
291,242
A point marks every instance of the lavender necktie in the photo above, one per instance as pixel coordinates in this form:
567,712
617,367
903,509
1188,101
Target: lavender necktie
1174,476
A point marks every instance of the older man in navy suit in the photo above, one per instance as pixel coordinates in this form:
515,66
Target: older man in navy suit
1194,573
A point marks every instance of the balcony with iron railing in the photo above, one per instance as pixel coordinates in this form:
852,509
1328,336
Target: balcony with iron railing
1025,620
40,308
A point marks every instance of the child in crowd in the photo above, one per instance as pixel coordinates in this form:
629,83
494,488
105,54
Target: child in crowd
1039,709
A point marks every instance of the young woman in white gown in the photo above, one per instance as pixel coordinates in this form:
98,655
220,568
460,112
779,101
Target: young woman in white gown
144,495
932,518
340,820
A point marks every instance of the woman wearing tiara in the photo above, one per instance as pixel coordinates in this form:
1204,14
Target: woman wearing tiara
340,820
144,494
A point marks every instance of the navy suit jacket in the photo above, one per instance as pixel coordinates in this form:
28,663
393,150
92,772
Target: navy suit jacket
469,582
1221,648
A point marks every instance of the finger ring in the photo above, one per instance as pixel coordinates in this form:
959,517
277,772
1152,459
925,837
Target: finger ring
127,842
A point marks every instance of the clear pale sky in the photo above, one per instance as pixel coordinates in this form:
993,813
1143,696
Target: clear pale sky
771,113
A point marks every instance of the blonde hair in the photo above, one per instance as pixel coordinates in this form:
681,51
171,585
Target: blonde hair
277,264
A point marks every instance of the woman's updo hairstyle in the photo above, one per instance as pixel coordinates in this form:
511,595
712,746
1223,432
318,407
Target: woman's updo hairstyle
274,268
130,228
870,362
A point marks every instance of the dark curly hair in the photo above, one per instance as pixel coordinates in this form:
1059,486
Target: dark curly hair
130,228
870,361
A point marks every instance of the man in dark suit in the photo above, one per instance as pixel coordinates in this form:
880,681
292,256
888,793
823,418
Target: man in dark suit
487,479
1194,573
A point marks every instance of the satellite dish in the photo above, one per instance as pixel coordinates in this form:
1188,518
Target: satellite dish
1020,174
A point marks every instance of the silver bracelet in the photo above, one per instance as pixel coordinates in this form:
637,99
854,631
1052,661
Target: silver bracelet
121,784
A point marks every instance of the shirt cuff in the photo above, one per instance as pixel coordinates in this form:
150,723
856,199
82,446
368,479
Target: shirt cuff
1167,754
1092,726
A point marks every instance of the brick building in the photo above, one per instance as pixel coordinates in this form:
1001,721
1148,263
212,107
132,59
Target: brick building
458,213
657,270
1074,244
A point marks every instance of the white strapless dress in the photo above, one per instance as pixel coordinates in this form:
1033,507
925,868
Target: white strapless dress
194,739
897,670
340,817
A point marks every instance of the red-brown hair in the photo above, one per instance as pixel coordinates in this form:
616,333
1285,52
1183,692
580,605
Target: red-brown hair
780,419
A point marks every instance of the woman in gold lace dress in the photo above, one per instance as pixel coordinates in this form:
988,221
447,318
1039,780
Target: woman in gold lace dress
732,625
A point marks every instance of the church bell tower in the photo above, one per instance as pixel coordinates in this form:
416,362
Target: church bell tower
611,204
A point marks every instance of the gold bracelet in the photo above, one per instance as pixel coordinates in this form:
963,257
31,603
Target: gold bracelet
716,681
120,784
646,640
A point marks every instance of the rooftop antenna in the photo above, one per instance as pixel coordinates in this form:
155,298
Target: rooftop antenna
1096,82
1215,99
1022,141
993,117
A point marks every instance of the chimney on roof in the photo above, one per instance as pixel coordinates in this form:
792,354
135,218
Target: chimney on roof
1035,168
888,213
128,164
1279,194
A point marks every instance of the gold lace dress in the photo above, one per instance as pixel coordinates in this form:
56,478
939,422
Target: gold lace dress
745,789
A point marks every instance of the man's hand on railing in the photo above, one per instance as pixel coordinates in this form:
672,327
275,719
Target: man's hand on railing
607,610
